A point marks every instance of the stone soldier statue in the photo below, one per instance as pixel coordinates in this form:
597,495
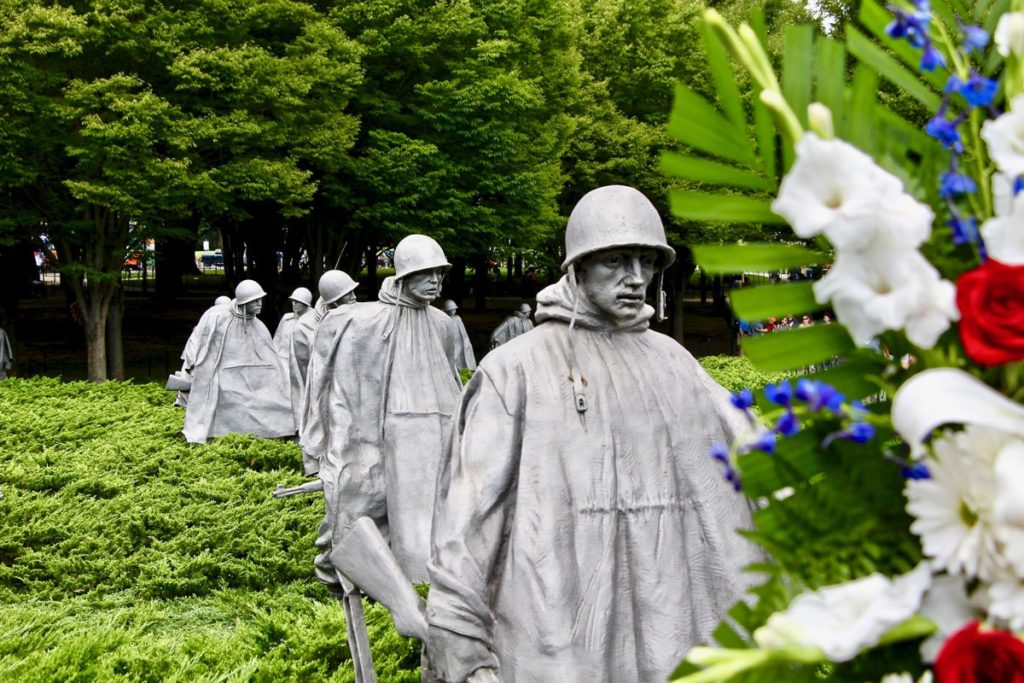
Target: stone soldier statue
381,389
336,288
464,358
238,382
516,324
302,302
6,354
582,533
188,359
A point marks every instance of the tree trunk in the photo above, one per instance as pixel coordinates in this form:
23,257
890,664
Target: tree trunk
371,271
703,287
455,282
519,266
175,258
680,276
115,335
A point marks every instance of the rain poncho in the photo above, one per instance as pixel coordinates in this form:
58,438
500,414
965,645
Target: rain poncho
513,326
189,353
464,357
381,391
584,547
298,367
6,354
283,337
238,383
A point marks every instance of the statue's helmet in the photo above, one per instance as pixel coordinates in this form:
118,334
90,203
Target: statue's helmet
525,308
335,284
247,291
449,306
303,296
615,216
418,252
222,300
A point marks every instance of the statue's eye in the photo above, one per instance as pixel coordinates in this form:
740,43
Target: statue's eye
613,260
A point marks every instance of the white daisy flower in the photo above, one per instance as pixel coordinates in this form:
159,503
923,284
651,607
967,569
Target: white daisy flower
953,509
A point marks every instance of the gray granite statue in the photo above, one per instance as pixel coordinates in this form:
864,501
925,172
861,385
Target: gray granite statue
181,380
302,302
238,383
516,324
6,354
582,533
381,390
336,289
464,357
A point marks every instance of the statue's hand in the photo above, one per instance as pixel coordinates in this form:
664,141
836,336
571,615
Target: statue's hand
484,675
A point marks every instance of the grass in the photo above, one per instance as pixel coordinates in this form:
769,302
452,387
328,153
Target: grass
128,554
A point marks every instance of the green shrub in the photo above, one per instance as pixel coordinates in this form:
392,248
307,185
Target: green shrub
736,373
127,553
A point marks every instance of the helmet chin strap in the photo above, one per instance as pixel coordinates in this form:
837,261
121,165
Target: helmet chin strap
578,382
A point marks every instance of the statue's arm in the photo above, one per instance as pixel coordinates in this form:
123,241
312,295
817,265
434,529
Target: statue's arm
476,492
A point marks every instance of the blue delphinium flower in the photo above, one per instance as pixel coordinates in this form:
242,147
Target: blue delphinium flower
911,25
781,393
818,395
860,432
952,184
720,452
975,37
765,443
916,471
945,131
965,229
931,59
978,91
743,399
787,424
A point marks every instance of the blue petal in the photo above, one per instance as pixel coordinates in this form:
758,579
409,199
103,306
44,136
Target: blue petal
975,38
931,58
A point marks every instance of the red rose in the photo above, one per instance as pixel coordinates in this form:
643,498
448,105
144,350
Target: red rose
974,656
991,303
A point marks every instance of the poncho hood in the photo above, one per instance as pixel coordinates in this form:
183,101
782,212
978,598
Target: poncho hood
556,301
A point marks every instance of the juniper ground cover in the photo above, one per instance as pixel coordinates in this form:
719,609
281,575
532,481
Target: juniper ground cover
128,554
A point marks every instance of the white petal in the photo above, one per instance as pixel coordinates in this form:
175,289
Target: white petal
1008,508
947,605
1004,235
1005,138
1009,34
946,395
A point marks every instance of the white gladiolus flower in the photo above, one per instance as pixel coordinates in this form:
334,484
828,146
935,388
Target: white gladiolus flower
952,510
887,289
1009,35
926,677
1005,138
836,189
1004,234
844,619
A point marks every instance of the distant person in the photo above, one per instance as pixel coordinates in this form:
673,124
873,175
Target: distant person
238,382
464,357
806,321
6,354
516,324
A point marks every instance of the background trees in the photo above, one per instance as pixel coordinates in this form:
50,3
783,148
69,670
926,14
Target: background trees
314,132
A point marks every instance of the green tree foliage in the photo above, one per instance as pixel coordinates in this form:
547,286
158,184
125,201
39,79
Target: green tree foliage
128,554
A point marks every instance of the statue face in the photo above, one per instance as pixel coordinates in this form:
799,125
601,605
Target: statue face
349,298
424,285
298,308
253,307
616,280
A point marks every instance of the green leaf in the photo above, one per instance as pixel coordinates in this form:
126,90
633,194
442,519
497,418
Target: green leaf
850,377
761,303
696,123
702,206
718,259
799,348
859,124
831,76
797,69
712,172
870,54
721,73
764,131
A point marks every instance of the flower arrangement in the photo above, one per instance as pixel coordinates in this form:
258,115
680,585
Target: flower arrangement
890,487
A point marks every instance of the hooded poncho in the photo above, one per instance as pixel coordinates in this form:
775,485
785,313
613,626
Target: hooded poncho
464,358
6,354
510,328
381,391
238,383
283,337
298,367
584,547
